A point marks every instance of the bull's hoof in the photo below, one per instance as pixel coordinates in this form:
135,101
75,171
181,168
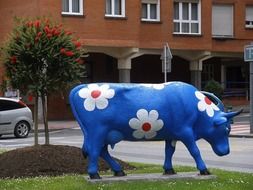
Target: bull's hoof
119,173
85,154
94,176
169,172
205,172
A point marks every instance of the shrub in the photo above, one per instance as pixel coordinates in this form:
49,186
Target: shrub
214,87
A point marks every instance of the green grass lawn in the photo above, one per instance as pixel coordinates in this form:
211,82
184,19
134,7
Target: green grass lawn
2,150
225,180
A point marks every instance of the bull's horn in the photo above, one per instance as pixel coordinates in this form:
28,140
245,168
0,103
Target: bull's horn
232,114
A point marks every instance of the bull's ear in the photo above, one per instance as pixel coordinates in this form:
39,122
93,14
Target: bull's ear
220,120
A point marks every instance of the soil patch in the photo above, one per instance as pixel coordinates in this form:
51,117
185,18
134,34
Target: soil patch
47,160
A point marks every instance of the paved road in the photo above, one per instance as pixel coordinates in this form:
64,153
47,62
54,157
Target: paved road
240,158
241,124
243,118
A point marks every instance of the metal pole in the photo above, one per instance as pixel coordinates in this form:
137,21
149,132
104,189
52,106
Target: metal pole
251,96
165,62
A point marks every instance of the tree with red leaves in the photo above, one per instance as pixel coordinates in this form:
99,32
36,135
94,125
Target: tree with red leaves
40,58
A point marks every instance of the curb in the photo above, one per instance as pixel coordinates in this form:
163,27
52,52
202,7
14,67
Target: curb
241,136
43,130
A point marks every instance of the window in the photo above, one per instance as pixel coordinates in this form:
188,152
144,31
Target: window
72,7
187,17
115,8
222,21
249,17
6,105
150,10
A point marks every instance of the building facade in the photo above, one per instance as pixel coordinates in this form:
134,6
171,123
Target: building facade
125,38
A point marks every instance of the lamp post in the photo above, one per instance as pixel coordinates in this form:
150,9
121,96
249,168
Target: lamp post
248,57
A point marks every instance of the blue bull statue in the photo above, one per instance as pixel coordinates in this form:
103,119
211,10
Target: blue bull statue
175,111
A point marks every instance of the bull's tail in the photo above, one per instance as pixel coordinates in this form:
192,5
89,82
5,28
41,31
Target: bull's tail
72,96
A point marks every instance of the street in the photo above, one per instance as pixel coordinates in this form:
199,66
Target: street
239,159
241,124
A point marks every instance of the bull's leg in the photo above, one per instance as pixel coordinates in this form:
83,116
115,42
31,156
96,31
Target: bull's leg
169,151
115,166
93,164
192,147
84,150
94,147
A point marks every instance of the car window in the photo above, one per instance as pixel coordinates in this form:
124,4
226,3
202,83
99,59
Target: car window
9,105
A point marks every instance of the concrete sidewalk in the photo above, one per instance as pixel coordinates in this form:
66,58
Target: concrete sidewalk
58,125
152,177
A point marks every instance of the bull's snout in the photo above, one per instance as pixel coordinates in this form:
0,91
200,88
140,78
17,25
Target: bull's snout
221,150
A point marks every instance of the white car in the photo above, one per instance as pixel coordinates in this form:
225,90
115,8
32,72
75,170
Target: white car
15,118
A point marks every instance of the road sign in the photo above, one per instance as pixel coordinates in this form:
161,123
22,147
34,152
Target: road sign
248,53
166,60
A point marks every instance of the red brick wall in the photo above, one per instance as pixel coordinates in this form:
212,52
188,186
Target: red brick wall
95,29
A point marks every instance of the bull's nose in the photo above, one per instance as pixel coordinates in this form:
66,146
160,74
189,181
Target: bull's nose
223,153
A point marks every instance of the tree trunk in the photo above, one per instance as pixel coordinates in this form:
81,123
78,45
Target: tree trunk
36,136
44,107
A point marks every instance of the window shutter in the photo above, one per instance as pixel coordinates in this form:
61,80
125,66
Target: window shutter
222,20
249,13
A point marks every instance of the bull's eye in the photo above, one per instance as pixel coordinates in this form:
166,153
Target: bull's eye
227,130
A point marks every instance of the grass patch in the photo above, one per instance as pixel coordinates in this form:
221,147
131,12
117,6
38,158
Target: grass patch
2,150
225,180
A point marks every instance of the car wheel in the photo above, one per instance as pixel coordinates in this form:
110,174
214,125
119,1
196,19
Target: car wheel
22,129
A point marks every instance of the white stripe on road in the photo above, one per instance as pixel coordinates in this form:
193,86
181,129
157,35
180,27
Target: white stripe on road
240,132
240,129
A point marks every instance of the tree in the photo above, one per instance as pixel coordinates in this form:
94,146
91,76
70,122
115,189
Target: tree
40,57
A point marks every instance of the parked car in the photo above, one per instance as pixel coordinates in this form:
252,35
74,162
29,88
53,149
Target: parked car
15,118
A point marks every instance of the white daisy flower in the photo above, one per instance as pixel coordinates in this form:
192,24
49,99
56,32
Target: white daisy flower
146,124
205,104
96,96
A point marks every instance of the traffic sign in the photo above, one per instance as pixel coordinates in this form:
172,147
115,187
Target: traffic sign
248,53
166,58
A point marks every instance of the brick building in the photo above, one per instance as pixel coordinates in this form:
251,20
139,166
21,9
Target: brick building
125,38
